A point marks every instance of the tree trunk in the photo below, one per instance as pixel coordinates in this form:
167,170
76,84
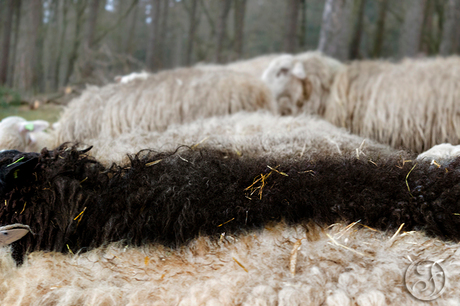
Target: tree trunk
152,46
290,26
92,22
80,5
36,45
356,40
450,27
303,25
17,22
88,65
7,27
52,39
57,68
378,40
335,28
161,60
222,28
191,33
409,40
240,12
130,46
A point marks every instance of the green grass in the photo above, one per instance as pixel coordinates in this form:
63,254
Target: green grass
48,112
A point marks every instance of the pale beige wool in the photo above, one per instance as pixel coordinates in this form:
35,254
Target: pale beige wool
254,134
412,104
334,266
150,104
164,98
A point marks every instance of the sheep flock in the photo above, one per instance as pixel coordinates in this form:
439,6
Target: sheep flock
278,180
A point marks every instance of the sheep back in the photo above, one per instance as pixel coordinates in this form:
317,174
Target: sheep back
168,97
412,104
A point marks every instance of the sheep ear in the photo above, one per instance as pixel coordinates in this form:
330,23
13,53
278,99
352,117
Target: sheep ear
32,126
8,236
299,71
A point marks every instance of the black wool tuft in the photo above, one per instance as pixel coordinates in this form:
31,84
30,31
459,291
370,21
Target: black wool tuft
71,202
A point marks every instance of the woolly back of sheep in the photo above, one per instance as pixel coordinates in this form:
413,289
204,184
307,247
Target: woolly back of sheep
281,265
247,134
168,97
413,104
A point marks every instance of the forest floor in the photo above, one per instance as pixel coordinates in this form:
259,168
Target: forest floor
49,112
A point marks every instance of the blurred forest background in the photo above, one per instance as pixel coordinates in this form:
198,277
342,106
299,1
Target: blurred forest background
52,47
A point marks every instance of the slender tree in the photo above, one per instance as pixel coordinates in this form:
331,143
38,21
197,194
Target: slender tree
335,28
132,32
17,22
88,45
222,28
240,13
380,29
291,25
63,29
152,46
411,31
36,45
450,27
5,50
80,7
357,32
191,32
303,25
163,32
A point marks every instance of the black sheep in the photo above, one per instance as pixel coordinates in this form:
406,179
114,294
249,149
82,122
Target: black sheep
71,202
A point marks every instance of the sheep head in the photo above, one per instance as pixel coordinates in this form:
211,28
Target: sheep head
301,83
284,76
13,232
20,134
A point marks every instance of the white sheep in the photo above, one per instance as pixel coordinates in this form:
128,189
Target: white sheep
411,104
177,96
251,134
18,133
247,134
300,265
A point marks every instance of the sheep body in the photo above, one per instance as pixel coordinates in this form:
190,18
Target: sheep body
260,134
411,104
18,133
168,97
331,267
173,198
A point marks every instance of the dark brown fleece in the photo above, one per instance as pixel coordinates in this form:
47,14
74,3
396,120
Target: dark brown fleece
72,202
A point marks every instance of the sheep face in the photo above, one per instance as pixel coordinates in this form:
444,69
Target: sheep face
20,134
12,233
284,76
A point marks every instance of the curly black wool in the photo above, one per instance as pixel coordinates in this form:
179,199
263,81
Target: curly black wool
71,202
